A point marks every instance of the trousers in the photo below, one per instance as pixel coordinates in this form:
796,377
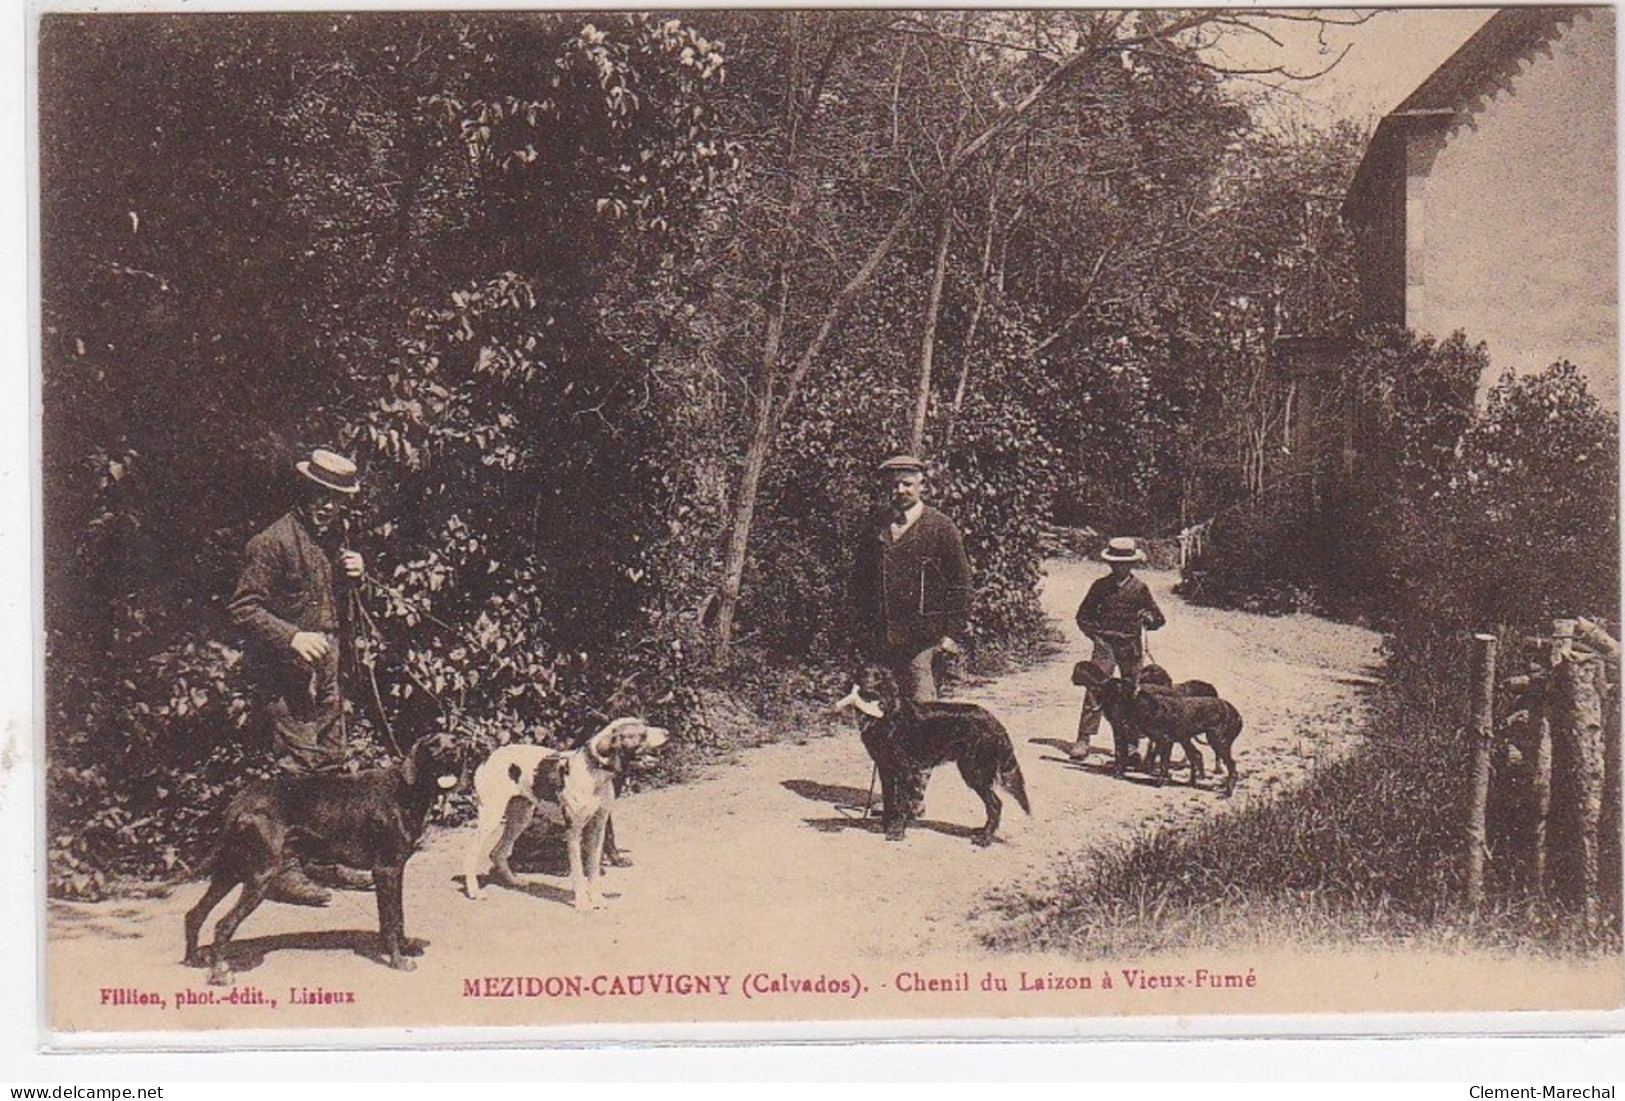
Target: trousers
915,671
1123,654
307,721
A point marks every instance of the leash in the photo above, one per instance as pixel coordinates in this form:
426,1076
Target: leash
370,663
360,615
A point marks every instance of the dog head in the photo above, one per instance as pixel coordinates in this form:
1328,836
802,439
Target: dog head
434,759
1154,674
874,694
615,746
1115,694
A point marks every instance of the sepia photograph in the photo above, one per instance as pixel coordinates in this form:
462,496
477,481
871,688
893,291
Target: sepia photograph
1047,523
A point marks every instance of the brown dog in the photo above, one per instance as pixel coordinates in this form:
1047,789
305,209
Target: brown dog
367,820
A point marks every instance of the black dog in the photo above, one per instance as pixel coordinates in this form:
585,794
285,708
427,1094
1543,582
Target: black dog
1166,718
367,820
1125,735
907,739
1155,676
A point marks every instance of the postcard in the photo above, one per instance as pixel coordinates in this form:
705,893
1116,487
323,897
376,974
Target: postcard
986,522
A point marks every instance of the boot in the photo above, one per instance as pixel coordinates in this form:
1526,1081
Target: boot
293,886
1079,749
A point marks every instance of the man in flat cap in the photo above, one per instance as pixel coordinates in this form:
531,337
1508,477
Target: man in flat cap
288,606
912,581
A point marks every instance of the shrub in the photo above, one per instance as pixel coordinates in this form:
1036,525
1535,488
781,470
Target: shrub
1354,546
1256,562
1507,519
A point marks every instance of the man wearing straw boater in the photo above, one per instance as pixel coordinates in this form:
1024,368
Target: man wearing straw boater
1113,613
287,605
912,582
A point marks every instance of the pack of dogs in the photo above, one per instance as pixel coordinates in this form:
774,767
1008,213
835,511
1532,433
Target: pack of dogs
375,820
1155,709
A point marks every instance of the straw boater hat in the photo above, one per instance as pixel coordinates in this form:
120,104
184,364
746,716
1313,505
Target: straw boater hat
330,470
1122,549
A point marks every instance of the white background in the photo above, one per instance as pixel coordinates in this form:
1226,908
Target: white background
1486,1059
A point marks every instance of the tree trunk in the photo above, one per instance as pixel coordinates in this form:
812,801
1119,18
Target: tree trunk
1580,766
1542,724
771,412
976,310
928,340
750,479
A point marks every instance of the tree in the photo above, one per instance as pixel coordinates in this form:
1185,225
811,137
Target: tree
402,233
1029,61
1536,503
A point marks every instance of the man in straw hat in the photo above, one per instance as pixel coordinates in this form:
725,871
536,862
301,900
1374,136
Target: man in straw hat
286,604
912,582
1113,613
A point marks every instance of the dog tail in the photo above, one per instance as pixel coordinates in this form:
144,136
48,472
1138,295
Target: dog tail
1012,781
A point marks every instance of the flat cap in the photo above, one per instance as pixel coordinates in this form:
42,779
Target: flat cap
900,463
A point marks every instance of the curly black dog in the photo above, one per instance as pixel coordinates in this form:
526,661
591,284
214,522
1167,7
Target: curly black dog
1155,676
907,739
367,820
1166,718
1125,735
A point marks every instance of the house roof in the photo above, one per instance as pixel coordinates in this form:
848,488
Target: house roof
1488,61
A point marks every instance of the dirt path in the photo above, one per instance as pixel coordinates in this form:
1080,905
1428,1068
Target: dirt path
754,867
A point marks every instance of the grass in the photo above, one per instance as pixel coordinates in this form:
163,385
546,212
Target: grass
1367,852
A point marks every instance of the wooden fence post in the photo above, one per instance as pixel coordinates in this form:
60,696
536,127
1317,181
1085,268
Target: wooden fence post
1541,724
1480,733
1576,706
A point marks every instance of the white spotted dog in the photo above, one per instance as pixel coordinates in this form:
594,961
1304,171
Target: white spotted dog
574,787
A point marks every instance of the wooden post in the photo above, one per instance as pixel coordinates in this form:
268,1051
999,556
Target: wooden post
1576,704
1598,639
1542,724
1480,734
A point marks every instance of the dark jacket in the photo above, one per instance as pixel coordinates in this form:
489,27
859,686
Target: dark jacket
286,586
1111,608
911,593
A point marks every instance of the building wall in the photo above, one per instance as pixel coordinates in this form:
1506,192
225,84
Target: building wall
1379,228
1510,217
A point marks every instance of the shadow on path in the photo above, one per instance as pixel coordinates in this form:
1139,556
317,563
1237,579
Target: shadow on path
250,952
839,794
874,825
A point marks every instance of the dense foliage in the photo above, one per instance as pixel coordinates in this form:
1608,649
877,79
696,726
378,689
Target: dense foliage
1326,534
1453,517
416,238
1459,519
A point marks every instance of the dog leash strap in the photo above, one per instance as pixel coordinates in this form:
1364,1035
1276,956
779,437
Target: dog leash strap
359,613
